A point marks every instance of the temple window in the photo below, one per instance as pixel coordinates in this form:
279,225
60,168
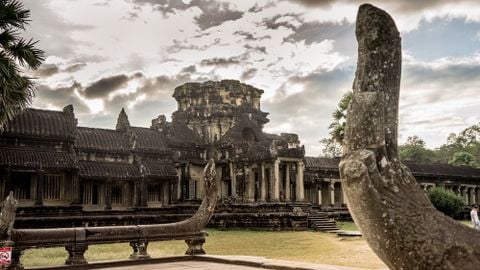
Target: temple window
190,189
52,186
154,193
117,197
89,193
21,185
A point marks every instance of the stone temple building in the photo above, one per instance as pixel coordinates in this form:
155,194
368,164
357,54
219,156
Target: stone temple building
67,175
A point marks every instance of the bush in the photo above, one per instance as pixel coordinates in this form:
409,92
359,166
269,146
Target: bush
446,201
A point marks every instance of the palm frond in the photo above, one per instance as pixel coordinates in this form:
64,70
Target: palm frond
13,14
26,54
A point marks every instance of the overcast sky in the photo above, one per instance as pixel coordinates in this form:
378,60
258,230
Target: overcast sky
103,55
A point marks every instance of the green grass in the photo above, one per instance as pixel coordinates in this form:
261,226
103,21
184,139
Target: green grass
347,226
307,246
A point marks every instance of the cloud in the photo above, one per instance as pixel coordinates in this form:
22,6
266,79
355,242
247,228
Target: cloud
105,86
46,70
57,98
220,61
248,74
189,69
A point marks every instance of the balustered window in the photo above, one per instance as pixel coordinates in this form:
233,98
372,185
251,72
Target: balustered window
154,192
89,193
21,185
117,195
52,186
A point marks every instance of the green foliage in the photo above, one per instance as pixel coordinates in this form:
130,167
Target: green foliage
16,54
414,150
463,159
446,201
332,145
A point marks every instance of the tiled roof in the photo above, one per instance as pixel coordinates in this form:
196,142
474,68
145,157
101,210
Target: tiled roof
36,159
95,169
178,132
160,169
101,139
149,139
42,123
316,163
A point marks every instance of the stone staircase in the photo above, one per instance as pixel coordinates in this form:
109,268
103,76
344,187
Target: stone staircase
320,222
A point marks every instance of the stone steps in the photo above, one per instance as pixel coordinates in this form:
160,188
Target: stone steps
320,222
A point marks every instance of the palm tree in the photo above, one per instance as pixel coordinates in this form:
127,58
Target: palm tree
337,127
16,55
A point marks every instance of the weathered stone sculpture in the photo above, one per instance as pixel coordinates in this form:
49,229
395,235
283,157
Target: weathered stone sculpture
393,213
7,216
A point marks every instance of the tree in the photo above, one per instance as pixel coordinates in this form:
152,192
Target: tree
414,150
332,145
463,159
467,141
16,55
391,210
446,201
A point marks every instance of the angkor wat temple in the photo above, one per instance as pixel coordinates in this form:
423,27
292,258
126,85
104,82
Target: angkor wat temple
66,175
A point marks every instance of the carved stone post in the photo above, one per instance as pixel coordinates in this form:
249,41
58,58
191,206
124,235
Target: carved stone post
288,195
76,250
233,179
263,183
300,188
332,192
250,184
276,180
139,250
195,246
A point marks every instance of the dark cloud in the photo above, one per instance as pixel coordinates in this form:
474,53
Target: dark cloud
213,13
271,23
404,5
260,49
47,70
220,61
342,33
60,97
248,74
189,69
105,86
75,67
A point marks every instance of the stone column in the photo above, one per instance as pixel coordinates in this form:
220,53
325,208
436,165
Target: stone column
39,189
165,192
108,194
300,189
287,182
332,192
263,183
179,184
233,178
76,200
276,181
250,184
319,194
143,192
470,196
474,196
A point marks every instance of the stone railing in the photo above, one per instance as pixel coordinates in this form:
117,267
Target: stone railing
76,240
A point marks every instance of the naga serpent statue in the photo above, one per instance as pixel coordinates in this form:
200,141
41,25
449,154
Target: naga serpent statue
392,211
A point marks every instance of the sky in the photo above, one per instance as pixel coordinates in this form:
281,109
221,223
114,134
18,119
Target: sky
102,55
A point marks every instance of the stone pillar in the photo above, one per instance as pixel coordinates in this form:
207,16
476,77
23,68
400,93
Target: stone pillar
332,192
165,192
233,178
143,192
179,184
250,187
76,200
300,189
108,194
470,196
276,181
474,195
287,182
319,195
263,183
39,189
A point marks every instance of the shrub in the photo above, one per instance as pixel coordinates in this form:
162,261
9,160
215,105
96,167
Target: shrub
446,201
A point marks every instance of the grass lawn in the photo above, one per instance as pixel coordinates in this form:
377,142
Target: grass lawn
307,246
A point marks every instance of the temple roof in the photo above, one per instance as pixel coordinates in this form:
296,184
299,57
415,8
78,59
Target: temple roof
42,124
437,169
159,169
149,139
178,132
101,139
95,169
32,159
